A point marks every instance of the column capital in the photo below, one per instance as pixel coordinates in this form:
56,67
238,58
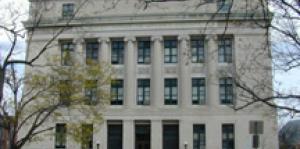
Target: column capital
103,39
130,39
78,41
157,38
183,37
211,37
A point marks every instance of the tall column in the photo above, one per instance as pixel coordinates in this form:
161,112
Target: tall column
79,51
212,70
128,135
184,74
104,49
102,140
156,134
185,134
130,72
157,72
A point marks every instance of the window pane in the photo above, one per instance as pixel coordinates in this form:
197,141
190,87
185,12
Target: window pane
115,133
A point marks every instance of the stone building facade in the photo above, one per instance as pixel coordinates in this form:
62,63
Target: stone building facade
175,61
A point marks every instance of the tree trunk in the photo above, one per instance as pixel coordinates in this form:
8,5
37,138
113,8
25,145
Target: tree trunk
2,74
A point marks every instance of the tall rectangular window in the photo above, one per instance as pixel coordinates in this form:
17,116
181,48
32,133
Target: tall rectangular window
225,49
87,136
226,90
143,97
114,135
171,92
142,135
117,92
117,53
197,47
227,136
92,51
144,51
67,53
199,140
170,136
91,91
65,91
170,50
68,10
60,136
198,91
224,6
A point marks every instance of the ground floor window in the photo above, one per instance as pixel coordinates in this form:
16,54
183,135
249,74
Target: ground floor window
199,136
227,136
170,135
115,133
142,135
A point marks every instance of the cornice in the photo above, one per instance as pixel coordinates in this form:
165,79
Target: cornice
148,19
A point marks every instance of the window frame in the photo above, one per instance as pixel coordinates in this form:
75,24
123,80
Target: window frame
65,92
144,85
67,46
228,136
225,49
197,44
170,84
171,45
68,10
224,6
87,130
62,144
117,85
228,88
91,52
117,52
144,51
200,141
119,134
90,91
200,85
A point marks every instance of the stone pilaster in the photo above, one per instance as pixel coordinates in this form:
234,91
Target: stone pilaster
79,51
157,72
130,72
128,135
184,71
212,70
104,49
156,134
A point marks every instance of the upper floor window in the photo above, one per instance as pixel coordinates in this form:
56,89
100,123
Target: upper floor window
226,90
65,91
198,91
224,6
117,92
117,53
68,10
197,47
227,136
60,136
144,51
91,91
225,49
171,91
92,52
170,50
199,140
87,136
67,53
143,97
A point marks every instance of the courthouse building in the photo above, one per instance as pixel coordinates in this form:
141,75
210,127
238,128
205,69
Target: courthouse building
175,63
